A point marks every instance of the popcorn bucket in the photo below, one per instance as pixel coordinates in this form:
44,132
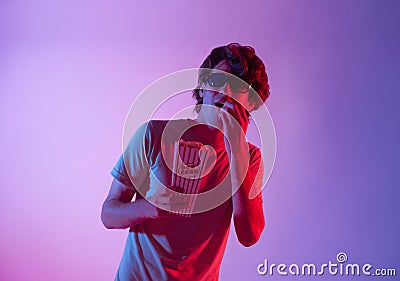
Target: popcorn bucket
188,168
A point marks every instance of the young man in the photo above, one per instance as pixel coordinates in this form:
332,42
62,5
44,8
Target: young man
165,243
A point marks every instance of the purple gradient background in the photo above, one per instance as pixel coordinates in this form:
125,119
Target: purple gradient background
69,71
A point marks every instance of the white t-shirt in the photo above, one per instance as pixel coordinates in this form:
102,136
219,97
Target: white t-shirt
187,248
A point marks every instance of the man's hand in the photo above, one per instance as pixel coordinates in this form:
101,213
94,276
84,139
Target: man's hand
168,203
234,118
235,121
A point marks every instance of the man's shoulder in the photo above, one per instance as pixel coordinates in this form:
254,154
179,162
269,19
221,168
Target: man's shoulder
167,129
253,147
254,151
156,123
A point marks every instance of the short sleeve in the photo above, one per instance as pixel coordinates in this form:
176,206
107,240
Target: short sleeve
132,168
119,172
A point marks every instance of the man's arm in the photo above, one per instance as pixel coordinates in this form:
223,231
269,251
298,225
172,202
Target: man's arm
119,212
248,216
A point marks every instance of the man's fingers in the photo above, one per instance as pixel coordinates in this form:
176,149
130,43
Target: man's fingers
167,198
236,111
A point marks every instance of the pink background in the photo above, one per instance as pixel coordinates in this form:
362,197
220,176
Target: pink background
69,71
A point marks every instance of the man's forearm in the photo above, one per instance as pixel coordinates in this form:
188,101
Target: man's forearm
248,213
116,214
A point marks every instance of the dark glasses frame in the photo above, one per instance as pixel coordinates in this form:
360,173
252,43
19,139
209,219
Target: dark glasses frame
219,80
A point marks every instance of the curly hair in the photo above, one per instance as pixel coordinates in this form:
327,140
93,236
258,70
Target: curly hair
244,63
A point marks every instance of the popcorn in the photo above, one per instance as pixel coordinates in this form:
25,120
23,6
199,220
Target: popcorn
189,164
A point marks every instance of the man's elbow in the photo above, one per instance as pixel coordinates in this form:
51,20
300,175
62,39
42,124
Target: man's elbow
251,237
107,224
106,217
248,242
